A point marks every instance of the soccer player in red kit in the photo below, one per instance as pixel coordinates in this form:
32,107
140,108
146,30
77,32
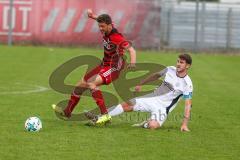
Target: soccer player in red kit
114,46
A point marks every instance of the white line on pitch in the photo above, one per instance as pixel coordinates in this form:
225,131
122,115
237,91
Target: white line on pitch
36,90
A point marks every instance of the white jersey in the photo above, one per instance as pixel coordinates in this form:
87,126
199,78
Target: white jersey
172,88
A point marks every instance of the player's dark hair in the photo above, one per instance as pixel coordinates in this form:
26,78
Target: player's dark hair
104,18
186,57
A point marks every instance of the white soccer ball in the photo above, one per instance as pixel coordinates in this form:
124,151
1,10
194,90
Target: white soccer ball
33,124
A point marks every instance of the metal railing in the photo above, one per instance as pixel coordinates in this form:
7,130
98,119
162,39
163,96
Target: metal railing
200,25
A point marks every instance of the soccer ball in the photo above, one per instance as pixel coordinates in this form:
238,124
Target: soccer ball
33,124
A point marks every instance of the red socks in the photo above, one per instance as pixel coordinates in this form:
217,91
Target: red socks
71,104
98,97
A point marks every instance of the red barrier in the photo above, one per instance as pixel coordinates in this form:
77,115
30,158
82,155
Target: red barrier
65,21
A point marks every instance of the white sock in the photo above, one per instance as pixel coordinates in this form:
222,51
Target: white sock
115,110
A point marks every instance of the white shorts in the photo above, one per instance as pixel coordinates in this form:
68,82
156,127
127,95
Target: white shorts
150,103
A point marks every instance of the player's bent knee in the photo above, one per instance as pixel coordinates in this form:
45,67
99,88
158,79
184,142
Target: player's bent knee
82,84
79,90
91,86
153,124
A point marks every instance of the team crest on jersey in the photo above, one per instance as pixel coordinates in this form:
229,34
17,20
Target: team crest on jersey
108,45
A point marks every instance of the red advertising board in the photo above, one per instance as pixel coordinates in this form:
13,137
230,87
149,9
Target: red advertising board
65,21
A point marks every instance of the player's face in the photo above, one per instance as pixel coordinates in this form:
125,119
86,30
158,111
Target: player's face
104,28
182,66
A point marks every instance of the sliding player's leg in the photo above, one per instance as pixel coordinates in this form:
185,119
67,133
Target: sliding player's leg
135,104
147,103
120,108
114,111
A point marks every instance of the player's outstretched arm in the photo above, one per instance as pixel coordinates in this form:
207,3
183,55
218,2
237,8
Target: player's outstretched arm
150,78
91,14
187,113
132,53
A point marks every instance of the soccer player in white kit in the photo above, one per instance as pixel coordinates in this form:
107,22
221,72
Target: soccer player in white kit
176,85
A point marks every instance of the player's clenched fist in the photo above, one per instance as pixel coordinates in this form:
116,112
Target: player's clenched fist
90,14
131,66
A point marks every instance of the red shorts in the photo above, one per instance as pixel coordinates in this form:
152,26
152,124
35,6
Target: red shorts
108,73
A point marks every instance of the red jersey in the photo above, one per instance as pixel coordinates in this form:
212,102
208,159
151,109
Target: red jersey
114,45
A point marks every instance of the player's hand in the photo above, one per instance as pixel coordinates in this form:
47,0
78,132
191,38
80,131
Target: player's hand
90,13
184,128
131,66
138,88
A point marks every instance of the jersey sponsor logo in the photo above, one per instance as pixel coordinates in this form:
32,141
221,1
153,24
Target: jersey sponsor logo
109,46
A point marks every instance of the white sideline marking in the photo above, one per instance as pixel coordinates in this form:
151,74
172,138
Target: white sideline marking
36,90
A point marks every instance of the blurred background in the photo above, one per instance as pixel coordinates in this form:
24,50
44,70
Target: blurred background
149,24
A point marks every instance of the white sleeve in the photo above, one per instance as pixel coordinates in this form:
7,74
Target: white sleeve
163,72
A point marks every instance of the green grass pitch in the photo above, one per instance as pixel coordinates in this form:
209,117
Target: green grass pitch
215,125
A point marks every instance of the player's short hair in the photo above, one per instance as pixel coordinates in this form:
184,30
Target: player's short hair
186,57
104,18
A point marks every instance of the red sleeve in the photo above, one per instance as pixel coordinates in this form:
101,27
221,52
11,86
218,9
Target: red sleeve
120,41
